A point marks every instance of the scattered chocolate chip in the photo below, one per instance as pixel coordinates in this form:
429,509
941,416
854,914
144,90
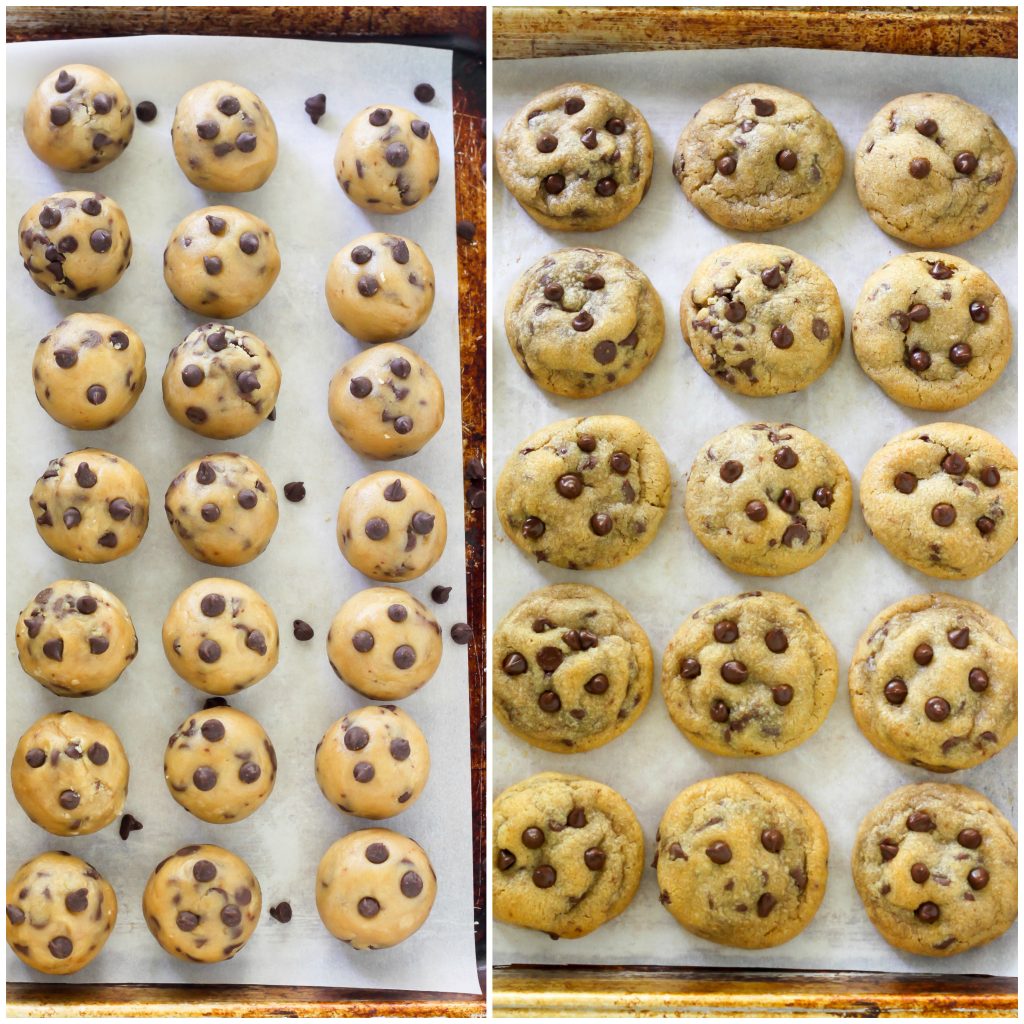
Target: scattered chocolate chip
295,491
316,107
462,633
129,824
466,230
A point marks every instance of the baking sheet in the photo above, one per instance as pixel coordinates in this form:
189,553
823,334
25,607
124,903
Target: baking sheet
302,574
837,770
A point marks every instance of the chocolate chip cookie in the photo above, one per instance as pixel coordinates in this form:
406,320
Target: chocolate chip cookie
934,682
572,669
749,675
768,499
932,331
943,499
936,867
742,861
761,319
933,169
576,157
568,855
758,157
581,322
585,493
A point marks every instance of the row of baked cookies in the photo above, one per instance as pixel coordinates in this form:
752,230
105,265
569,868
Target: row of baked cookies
930,169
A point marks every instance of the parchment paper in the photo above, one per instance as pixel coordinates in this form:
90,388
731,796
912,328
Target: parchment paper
302,574
837,770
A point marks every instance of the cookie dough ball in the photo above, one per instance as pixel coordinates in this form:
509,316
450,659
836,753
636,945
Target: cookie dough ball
91,506
220,636
221,381
572,669
374,888
202,904
380,287
934,683
568,855
75,244
391,527
757,158
581,322
943,499
75,638
932,331
386,402
384,643
585,493
60,912
220,765
374,762
78,119
749,675
576,157
768,499
936,868
70,774
224,138
386,160
222,508
934,170
761,320
221,261
742,861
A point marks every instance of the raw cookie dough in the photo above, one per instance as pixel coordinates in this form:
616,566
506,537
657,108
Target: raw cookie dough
572,669
568,855
220,261
91,506
585,493
222,508
374,762
220,765
384,643
768,499
89,371
78,119
75,244
202,904
581,322
932,331
221,381
60,912
374,888
934,683
936,867
386,160
75,638
576,157
943,499
380,287
386,402
391,527
749,675
761,320
757,158
220,636
933,170
742,861
70,774
224,138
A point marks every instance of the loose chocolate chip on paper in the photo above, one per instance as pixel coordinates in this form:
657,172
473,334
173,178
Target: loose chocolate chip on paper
282,912
302,630
462,633
129,824
295,491
316,107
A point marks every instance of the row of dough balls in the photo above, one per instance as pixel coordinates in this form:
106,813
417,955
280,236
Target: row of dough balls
374,888
75,638
93,506
224,138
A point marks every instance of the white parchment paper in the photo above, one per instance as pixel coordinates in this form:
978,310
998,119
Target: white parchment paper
837,770
302,574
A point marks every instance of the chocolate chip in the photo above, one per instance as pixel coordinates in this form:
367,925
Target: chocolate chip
606,187
596,684
977,878
969,838
719,711
421,129
937,709
772,840
64,82
424,92
923,654
757,511
920,821
98,753
734,672
466,230
69,799
776,641
411,885
364,772
786,159
927,913
129,823
376,528
960,354
782,337
719,852
954,464
35,758
569,485
788,501
60,947
782,694
209,651
604,351
977,680
735,312
554,184
979,312
246,142
960,637
367,286
943,514
54,649
601,524
379,117
594,858
589,138
965,162
583,321
895,691
356,737
59,115
404,656
726,165
919,873
506,859
905,483
544,876
218,225
927,127
362,641
549,701
249,243
989,476
513,664
785,457
919,167
919,312
368,906
422,523
397,154
731,471
213,265
462,633
204,778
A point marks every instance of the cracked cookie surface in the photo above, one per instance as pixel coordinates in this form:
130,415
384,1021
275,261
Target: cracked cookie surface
742,861
943,499
568,854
